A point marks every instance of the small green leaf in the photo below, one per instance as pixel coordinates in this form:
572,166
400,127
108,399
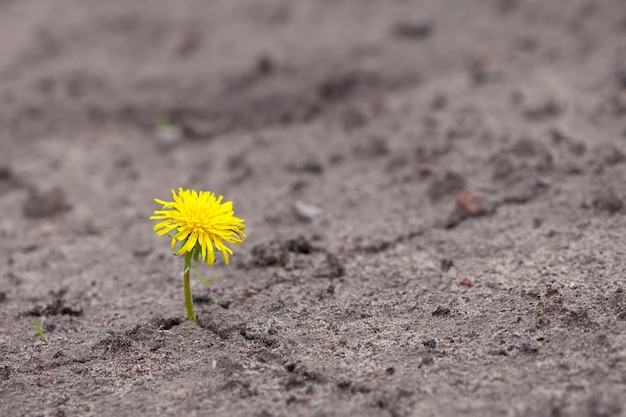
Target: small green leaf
195,253
202,280
179,244
39,330
163,121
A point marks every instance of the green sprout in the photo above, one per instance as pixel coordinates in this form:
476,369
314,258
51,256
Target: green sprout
39,330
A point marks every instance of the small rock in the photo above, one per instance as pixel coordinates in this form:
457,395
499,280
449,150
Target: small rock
446,264
201,298
430,343
533,292
166,324
306,211
470,203
528,348
466,282
441,311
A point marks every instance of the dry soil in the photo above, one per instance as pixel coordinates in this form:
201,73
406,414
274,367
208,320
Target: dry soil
434,192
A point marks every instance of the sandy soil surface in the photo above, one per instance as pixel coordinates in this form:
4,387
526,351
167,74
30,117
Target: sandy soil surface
434,192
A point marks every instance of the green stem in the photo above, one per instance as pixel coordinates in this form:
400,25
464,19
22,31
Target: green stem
188,300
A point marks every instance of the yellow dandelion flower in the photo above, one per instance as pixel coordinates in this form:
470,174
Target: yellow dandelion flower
199,224
199,219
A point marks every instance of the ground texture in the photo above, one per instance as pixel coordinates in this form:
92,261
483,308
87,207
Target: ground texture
434,193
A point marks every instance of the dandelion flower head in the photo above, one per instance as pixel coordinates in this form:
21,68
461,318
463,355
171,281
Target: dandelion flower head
199,222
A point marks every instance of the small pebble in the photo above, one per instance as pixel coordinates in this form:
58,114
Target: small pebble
470,203
441,311
528,348
430,343
306,211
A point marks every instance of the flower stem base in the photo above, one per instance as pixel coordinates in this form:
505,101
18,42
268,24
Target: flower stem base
188,300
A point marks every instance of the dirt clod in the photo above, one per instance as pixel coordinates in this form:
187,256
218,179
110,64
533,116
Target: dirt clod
441,311
331,267
201,298
5,373
529,348
8,180
299,244
271,253
45,204
430,343
412,31
57,307
446,264
167,324
609,201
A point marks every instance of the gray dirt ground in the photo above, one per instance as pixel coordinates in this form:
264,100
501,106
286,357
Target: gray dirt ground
405,295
